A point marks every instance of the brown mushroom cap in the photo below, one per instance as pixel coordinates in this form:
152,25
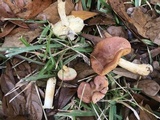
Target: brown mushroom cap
85,92
100,82
107,53
93,91
97,96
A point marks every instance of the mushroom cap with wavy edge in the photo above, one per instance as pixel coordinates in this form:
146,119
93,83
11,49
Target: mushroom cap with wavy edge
85,92
107,53
94,90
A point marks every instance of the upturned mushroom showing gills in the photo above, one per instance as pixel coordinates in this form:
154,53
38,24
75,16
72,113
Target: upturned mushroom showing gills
107,55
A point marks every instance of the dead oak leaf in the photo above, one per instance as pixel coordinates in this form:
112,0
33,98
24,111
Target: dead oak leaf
144,115
135,22
33,104
152,29
149,87
12,40
51,13
7,29
28,8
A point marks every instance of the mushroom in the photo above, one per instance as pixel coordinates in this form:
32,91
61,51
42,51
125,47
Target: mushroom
67,73
68,26
107,55
93,91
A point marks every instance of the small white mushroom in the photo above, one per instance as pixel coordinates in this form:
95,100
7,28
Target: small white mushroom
49,93
68,26
67,73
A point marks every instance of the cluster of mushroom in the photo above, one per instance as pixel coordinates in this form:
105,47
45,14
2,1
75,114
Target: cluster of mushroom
87,92
104,58
93,91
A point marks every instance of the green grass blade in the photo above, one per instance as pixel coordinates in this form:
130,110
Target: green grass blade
24,41
75,113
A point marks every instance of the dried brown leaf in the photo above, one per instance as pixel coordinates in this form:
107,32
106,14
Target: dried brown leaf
101,20
18,118
7,29
149,87
7,83
125,73
137,20
145,115
142,98
7,13
65,95
152,29
154,52
28,8
33,104
26,103
51,13
84,14
117,31
12,40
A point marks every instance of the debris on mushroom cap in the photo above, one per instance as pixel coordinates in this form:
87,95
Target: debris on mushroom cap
107,53
93,91
67,73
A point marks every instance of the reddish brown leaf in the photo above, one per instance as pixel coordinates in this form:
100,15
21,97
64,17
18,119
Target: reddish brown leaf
84,14
137,20
7,29
28,9
51,13
33,104
152,29
26,103
117,31
101,20
65,95
144,115
8,83
18,118
12,40
149,87
7,13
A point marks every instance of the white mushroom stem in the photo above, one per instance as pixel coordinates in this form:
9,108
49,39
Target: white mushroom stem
62,13
68,26
49,93
141,69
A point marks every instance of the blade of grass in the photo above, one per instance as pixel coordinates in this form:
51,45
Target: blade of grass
112,112
84,4
15,51
24,41
74,113
29,60
44,33
148,42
